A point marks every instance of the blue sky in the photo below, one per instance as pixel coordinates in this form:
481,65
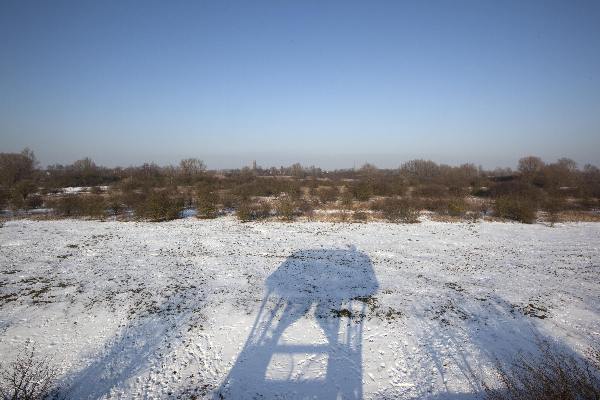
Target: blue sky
333,83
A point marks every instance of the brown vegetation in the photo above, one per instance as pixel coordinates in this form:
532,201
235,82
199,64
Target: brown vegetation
559,191
553,375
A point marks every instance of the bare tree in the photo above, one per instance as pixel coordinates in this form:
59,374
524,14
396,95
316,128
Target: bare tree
530,165
190,168
16,166
422,169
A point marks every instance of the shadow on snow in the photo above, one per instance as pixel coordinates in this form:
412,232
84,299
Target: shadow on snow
320,283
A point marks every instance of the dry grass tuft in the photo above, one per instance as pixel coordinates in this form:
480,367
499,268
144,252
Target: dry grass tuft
552,375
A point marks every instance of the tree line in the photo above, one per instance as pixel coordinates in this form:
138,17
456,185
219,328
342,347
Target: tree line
154,192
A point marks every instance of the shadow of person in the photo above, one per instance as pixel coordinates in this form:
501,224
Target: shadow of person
325,288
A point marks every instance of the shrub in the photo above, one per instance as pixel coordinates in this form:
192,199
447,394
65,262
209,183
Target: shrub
327,194
68,206
362,190
247,211
346,199
432,190
4,196
306,208
285,208
228,200
96,190
17,201
93,206
207,205
360,216
34,201
243,211
159,206
516,208
80,205
457,207
516,189
588,203
262,210
114,204
23,189
389,186
132,198
458,191
399,210
552,375
29,377
437,205
552,206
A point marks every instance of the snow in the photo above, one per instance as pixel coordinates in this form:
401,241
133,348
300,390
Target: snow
292,310
81,189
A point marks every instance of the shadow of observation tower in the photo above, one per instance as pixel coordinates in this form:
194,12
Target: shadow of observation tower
318,298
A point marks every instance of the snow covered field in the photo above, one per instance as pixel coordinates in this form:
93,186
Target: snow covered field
221,309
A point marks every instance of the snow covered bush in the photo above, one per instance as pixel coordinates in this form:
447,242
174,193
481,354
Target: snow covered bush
28,377
243,211
553,374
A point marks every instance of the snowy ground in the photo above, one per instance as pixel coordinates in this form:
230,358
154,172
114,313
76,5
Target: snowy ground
220,309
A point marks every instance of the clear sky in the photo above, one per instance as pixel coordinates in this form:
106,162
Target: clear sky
334,83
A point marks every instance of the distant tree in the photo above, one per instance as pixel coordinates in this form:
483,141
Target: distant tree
530,165
591,180
86,172
297,171
368,170
190,168
15,167
567,164
20,192
420,169
85,165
